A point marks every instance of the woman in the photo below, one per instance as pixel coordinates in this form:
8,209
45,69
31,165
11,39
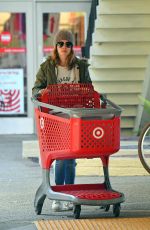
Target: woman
62,67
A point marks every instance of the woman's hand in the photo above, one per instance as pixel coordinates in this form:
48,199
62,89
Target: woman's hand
41,91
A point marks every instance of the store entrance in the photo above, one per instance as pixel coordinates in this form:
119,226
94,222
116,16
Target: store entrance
27,29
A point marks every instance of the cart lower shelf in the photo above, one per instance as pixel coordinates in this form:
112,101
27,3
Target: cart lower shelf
87,191
91,194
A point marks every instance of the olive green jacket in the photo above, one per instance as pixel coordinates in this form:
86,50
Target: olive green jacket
47,74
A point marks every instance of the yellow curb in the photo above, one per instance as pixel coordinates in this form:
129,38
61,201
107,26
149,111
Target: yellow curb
93,224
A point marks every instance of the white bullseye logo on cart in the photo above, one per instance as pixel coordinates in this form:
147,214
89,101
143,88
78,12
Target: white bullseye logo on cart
98,132
42,122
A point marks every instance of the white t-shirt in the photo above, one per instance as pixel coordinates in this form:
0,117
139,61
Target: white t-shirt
67,76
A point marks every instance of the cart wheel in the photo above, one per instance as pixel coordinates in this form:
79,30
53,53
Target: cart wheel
107,207
76,212
116,209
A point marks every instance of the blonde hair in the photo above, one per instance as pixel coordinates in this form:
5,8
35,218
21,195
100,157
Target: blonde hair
70,61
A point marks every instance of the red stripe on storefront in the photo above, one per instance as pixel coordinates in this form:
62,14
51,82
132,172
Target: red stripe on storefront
12,50
23,50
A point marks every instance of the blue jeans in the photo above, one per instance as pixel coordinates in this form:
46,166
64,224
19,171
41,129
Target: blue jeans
65,171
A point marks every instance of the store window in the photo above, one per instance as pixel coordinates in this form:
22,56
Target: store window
73,21
13,79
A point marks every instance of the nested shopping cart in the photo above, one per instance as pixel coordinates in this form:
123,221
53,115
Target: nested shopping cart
74,121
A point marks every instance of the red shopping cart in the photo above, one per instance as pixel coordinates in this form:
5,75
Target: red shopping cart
74,121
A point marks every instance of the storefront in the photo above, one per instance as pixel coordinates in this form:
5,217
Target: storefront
27,29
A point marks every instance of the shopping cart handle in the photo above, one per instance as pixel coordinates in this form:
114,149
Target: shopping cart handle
111,111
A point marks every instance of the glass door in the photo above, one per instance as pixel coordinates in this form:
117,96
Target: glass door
13,64
52,16
15,113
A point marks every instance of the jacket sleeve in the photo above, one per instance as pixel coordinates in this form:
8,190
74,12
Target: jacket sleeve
87,75
83,71
40,82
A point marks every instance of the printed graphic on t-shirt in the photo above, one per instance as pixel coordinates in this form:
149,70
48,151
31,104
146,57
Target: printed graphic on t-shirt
65,80
65,76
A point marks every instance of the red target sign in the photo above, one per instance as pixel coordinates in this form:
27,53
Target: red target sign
98,132
5,37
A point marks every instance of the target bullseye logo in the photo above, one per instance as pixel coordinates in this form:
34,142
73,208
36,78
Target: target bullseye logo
42,122
98,132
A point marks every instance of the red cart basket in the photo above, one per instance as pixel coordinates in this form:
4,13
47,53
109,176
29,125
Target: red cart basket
74,121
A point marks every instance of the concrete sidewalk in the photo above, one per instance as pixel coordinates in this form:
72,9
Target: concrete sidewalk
20,179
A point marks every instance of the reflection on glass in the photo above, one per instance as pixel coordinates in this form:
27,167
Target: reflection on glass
13,80
52,22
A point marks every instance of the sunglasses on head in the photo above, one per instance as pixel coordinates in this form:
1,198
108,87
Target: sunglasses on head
67,44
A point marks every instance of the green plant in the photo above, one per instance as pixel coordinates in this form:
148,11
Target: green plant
146,103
